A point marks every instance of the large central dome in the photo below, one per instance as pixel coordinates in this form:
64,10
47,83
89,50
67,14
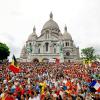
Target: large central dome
51,24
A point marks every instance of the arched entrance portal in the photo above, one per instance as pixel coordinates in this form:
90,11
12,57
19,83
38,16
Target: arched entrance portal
35,60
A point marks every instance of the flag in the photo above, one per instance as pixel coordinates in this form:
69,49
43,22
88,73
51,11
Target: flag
85,61
57,61
95,85
92,83
14,65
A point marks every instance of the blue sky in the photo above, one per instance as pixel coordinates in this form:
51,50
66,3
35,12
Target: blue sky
18,17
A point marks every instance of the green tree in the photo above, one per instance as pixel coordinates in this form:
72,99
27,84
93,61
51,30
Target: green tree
98,57
4,51
88,54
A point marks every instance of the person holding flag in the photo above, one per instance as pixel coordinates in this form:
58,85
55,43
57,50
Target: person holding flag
14,65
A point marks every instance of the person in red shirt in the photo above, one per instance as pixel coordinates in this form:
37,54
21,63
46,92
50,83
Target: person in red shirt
9,96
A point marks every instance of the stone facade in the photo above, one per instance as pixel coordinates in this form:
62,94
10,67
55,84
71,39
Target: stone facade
50,44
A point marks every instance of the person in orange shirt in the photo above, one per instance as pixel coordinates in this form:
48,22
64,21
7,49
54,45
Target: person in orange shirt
68,84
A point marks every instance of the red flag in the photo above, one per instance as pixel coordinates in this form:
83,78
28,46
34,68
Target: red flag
14,66
57,61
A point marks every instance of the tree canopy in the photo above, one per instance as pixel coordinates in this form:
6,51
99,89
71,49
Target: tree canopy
4,51
88,53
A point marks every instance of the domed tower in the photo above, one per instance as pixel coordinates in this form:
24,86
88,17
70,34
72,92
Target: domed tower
66,35
50,26
67,38
31,41
33,36
71,52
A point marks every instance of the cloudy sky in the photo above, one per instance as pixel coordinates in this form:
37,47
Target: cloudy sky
18,17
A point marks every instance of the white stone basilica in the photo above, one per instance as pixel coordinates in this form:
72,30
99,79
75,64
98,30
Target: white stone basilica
51,44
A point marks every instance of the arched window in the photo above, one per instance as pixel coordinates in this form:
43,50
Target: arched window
46,46
30,44
30,47
67,54
47,34
39,50
67,43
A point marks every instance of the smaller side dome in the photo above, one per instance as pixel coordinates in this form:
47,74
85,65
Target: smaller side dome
33,36
66,35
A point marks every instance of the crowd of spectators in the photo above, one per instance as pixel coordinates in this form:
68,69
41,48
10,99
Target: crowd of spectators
49,81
